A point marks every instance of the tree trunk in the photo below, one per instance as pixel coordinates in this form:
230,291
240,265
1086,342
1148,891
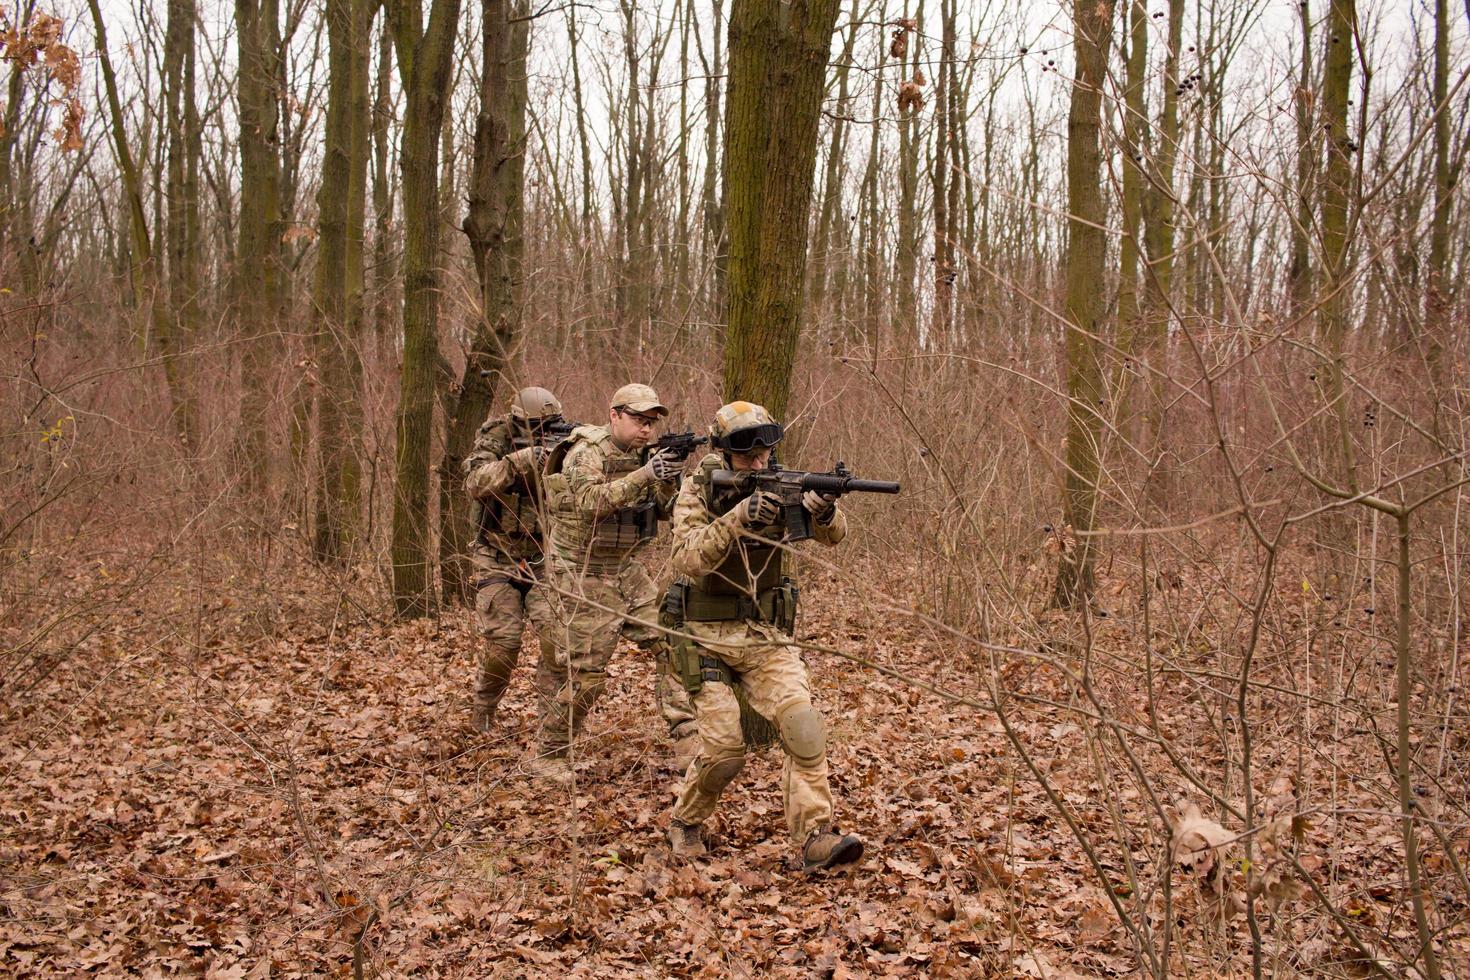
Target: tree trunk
1158,282
1135,124
945,177
1437,295
383,264
183,223
257,281
1299,273
869,234
778,64
494,226
906,257
1336,196
425,57
337,290
1086,304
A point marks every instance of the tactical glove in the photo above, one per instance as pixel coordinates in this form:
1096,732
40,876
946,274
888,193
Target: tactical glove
759,508
822,506
665,465
528,460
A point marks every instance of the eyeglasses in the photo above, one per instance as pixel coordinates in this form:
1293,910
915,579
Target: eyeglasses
646,421
755,437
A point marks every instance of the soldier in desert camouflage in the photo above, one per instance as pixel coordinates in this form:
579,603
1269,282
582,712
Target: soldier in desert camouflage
504,483
604,501
734,596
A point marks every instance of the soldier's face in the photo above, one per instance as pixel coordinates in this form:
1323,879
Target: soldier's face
632,430
759,459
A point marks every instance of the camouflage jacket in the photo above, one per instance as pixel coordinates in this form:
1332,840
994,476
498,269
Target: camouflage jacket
709,550
504,488
603,506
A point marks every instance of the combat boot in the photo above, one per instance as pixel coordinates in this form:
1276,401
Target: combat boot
553,769
828,847
686,840
482,716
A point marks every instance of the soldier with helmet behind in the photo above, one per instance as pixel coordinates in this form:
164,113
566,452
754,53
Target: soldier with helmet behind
605,494
504,483
734,597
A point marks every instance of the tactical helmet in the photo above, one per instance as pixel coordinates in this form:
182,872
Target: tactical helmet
741,427
534,405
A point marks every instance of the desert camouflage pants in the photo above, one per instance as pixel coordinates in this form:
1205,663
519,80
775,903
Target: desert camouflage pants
776,685
578,640
502,604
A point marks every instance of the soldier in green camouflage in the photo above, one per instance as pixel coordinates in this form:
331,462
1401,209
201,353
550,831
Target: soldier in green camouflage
604,501
734,596
504,483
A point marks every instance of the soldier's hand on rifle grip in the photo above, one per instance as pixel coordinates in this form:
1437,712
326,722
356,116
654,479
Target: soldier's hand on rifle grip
822,506
665,465
760,508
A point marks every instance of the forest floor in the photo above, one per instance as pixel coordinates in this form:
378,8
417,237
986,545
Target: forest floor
274,793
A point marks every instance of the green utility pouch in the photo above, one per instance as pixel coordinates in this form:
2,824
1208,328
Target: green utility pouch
783,615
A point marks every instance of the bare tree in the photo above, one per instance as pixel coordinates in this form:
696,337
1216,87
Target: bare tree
1085,304
425,58
778,62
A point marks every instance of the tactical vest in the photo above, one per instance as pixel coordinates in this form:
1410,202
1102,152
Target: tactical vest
510,515
749,582
603,541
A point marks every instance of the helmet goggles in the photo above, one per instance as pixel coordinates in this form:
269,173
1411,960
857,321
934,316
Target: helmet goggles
751,438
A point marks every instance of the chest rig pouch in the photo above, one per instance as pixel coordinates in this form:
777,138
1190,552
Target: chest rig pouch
627,527
511,513
748,584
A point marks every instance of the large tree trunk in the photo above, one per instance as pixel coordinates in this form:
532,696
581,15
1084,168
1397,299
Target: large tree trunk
257,283
494,226
1086,304
778,65
337,289
425,57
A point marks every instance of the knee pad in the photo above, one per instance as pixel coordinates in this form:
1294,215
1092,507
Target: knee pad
804,734
714,777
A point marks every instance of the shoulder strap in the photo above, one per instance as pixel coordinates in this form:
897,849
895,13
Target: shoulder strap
583,433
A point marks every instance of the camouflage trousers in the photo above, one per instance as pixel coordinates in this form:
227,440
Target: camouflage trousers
503,602
578,640
776,684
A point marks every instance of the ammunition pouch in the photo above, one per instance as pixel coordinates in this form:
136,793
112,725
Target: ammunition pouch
510,514
624,529
776,606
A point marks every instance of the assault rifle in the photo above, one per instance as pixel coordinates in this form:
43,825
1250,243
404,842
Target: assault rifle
684,443
546,436
789,485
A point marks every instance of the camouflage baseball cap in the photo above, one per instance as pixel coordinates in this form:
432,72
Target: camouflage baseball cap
638,398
